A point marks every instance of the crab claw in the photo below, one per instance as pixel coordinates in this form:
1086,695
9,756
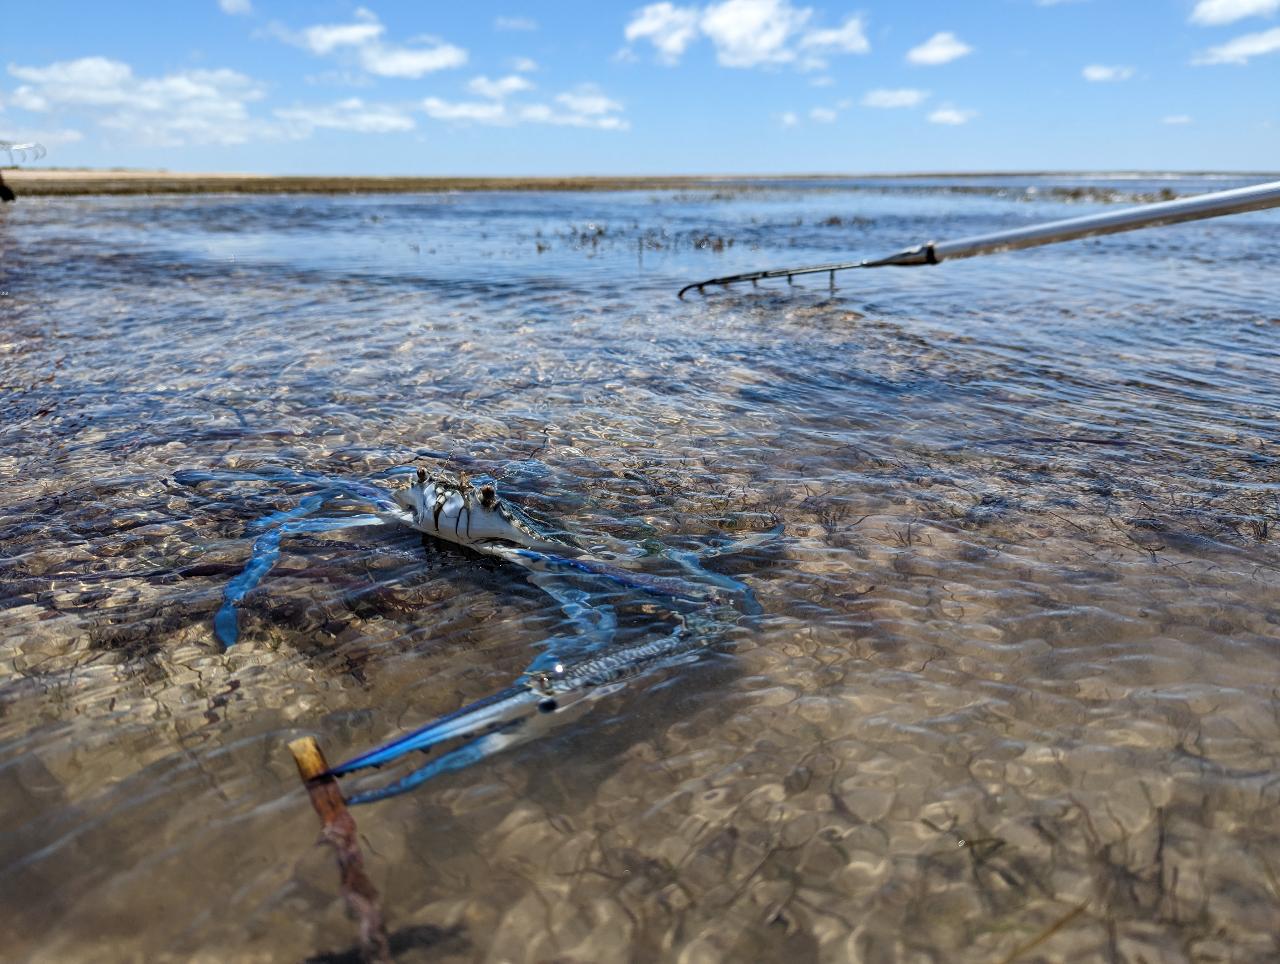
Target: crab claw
488,726
473,751
542,700
501,711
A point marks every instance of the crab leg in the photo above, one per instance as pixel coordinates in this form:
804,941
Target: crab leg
596,623
691,561
493,713
265,553
508,718
457,759
663,586
375,495
304,508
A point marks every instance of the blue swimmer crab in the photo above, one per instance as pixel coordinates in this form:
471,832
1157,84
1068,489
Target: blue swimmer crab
569,672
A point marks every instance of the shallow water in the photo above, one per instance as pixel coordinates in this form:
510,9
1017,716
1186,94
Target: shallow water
1018,666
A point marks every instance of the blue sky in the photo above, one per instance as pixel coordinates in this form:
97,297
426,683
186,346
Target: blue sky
726,86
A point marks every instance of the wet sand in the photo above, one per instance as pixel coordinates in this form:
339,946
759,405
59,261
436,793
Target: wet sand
65,182
56,182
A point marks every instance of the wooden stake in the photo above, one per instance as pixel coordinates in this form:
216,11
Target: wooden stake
338,829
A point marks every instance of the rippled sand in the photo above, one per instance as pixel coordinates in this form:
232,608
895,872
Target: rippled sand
1016,690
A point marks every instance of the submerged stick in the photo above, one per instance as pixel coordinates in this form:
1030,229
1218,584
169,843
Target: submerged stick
338,829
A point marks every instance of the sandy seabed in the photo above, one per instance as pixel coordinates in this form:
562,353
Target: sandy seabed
1015,694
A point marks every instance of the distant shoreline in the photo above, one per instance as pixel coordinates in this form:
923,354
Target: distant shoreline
55,182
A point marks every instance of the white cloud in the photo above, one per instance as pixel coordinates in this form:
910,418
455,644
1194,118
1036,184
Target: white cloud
952,115
339,78
363,38
351,114
588,100
211,106
1102,74
500,88
584,106
1176,119
789,119
412,62
191,106
823,115
515,23
236,6
899,97
849,38
748,33
524,65
1239,51
542,114
1213,12
822,82
485,112
941,48
324,38
745,33
56,138
669,28
28,99
87,81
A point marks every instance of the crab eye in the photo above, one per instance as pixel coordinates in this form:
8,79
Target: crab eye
488,496
422,475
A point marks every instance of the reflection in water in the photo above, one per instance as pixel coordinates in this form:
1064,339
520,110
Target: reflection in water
1017,654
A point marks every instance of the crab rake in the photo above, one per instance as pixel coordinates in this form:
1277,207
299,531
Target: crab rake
22,152
1237,201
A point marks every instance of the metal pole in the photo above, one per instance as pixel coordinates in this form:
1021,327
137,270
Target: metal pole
1214,205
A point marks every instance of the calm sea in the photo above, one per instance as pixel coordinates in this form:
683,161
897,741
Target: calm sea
1013,523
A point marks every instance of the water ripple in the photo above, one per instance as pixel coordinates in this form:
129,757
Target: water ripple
1018,654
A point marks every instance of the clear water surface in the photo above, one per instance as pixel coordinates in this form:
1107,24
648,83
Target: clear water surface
1016,688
